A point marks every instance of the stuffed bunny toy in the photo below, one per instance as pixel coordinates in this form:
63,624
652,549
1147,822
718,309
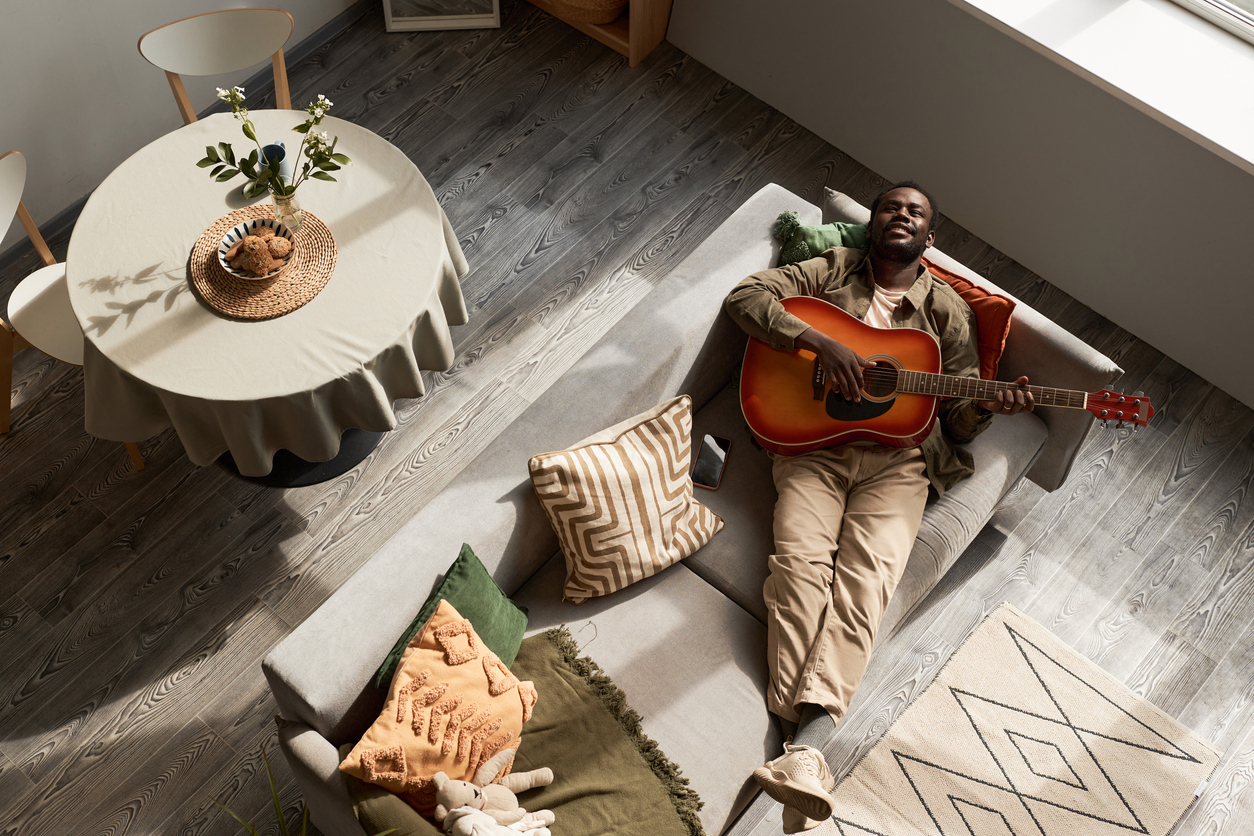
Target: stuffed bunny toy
497,800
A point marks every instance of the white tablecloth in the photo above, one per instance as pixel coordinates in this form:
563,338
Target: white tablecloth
156,356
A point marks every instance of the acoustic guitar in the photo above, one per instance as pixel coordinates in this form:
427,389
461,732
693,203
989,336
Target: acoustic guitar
791,409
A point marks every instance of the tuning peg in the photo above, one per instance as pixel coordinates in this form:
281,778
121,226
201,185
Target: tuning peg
1138,394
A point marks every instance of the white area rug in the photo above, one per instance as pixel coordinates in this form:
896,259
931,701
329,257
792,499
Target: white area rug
1019,735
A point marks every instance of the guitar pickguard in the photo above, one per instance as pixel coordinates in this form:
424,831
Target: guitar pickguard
839,409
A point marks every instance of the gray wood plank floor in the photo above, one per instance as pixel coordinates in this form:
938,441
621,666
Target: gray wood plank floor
135,607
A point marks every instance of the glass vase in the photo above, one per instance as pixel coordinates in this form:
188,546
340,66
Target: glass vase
287,211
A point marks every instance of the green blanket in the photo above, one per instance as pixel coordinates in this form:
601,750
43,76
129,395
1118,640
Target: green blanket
609,778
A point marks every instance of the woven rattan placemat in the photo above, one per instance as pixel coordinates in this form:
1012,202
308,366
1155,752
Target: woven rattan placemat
313,261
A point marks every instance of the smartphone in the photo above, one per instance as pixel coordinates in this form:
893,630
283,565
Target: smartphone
707,470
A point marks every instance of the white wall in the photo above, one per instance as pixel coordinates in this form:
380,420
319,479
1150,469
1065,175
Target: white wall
1142,224
77,98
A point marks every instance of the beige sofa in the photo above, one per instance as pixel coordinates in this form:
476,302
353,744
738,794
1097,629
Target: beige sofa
688,645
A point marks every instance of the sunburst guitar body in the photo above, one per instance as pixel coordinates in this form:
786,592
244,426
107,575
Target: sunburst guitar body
791,409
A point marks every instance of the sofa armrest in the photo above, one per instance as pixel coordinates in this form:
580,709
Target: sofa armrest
1037,347
315,766
320,671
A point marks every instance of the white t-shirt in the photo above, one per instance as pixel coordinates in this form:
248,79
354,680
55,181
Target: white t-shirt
880,314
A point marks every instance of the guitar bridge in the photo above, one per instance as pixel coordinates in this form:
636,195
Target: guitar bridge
818,380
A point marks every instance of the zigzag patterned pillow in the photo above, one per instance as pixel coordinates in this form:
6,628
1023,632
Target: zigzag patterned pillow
621,501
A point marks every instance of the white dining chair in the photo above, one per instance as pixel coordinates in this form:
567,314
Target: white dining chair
39,310
220,42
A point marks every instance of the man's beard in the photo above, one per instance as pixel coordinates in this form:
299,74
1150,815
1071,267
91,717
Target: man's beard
898,252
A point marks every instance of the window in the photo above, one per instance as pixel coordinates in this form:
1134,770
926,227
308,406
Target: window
1237,16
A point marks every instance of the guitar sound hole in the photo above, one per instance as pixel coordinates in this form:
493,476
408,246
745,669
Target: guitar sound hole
880,381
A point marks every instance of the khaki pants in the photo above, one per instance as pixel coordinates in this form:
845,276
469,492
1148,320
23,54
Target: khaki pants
845,523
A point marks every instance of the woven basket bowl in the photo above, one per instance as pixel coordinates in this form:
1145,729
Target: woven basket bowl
590,11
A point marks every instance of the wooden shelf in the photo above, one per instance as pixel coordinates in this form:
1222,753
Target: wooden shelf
634,34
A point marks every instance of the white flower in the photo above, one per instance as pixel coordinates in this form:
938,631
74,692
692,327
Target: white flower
222,94
319,143
319,108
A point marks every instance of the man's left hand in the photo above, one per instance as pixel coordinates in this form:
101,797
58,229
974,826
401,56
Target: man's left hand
1011,401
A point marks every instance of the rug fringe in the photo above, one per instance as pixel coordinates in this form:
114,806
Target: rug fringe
685,800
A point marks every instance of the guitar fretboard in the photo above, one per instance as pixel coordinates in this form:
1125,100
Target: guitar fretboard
949,386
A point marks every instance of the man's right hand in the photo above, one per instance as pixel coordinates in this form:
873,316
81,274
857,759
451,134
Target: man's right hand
842,364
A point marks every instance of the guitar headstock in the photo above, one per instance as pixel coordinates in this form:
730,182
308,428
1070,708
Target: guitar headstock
1112,406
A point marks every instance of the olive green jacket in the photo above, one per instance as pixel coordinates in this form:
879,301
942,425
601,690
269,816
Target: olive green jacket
843,277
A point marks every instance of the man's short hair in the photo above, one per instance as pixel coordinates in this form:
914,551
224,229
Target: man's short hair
909,184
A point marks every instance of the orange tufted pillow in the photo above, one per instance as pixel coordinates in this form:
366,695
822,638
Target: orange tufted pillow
451,706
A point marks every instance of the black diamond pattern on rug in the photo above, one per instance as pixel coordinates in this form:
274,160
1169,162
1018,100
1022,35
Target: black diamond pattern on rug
1044,774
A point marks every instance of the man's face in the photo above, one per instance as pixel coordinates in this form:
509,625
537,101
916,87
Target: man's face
899,228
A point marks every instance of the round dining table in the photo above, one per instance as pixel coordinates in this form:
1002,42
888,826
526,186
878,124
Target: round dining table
156,355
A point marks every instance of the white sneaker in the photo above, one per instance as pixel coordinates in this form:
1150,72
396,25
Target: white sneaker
797,822
800,779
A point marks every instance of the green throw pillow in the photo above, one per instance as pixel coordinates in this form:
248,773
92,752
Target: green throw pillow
802,242
472,592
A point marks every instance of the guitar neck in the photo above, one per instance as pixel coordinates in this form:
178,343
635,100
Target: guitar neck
949,386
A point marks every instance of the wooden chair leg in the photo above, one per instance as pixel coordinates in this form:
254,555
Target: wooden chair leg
6,374
135,455
180,98
282,95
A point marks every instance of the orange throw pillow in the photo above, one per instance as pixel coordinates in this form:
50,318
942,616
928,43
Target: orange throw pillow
451,706
992,317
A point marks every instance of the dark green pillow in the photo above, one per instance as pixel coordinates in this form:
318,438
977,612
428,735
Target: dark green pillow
472,592
802,242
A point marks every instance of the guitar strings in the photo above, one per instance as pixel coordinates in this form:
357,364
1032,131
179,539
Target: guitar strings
1049,396
891,375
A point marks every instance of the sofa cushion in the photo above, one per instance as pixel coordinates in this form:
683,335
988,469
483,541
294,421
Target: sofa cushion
621,500
735,562
690,661
472,592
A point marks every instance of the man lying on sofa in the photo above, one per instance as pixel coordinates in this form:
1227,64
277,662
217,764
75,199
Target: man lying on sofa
847,516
